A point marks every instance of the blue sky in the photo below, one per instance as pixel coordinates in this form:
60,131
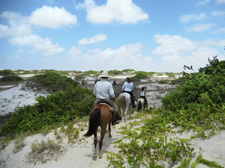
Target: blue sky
144,35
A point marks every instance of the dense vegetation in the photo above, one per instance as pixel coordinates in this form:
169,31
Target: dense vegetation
54,82
208,84
9,76
68,102
198,105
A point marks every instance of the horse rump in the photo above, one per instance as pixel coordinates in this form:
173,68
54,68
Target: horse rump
94,122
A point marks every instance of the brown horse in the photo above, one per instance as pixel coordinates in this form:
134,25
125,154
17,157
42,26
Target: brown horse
100,116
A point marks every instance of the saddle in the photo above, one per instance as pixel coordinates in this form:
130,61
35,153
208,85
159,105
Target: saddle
110,107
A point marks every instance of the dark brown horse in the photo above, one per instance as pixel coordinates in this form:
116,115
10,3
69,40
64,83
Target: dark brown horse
100,116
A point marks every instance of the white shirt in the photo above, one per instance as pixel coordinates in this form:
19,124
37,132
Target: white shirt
103,89
142,93
128,86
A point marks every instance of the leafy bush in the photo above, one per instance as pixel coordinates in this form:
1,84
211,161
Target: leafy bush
86,73
60,107
54,82
163,82
170,74
6,72
128,70
90,72
214,67
140,75
11,78
114,72
178,81
209,80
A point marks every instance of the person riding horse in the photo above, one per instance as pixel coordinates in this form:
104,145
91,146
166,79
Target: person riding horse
128,88
143,96
104,93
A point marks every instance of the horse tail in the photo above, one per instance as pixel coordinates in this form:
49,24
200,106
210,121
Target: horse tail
94,122
139,105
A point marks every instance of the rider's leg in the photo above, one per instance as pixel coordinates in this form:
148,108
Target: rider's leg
132,99
115,113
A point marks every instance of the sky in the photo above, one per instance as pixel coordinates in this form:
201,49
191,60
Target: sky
82,35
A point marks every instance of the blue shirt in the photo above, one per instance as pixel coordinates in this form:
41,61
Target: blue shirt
103,89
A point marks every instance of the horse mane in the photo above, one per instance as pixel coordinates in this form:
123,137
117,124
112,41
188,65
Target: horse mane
94,122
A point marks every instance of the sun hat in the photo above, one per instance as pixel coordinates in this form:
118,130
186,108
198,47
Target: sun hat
104,75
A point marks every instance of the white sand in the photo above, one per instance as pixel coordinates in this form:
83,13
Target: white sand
79,155
17,96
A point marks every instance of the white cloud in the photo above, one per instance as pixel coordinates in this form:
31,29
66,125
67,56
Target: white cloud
96,39
38,43
74,53
123,12
19,28
218,13
203,2
11,15
14,30
192,17
199,27
176,51
52,17
126,56
220,1
18,25
171,45
221,30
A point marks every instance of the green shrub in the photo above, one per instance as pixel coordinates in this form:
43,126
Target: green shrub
128,70
54,82
6,72
214,67
61,107
11,78
163,82
140,75
114,72
90,72
179,81
209,80
170,74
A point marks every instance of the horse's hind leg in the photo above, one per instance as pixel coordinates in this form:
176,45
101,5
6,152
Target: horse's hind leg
103,129
109,127
95,143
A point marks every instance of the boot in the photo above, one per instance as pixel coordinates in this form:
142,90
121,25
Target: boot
115,118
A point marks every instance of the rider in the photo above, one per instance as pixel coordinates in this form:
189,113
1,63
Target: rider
128,88
143,95
104,93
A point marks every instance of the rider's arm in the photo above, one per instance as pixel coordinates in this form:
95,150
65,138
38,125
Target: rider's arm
111,92
94,91
132,86
123,87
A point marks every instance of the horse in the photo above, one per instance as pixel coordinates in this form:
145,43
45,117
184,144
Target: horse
141,103
124,102
101,115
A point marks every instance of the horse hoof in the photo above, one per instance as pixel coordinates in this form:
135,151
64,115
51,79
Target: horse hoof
110,136
100,155
94,157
